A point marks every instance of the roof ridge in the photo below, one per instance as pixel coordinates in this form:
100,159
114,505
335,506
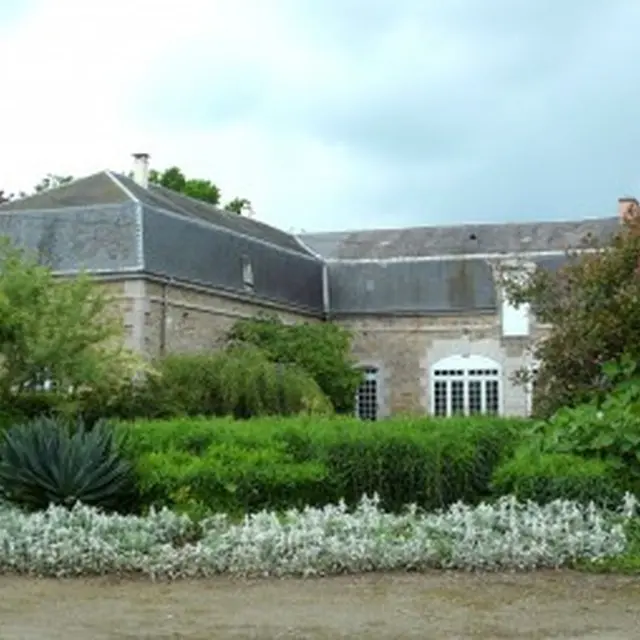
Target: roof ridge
116,179
461,225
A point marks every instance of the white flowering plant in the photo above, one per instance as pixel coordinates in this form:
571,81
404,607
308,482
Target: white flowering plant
505,535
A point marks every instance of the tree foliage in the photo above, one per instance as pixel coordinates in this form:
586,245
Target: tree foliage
173,178
52,181
204,190
323,350
56,331
592,305
238,205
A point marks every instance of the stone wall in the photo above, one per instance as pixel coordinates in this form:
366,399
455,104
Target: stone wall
161,318
404,349
177,319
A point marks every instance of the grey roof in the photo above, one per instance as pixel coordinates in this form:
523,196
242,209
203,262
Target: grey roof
96,238
200,253
107,223
464,239
92,190
160,198
433,286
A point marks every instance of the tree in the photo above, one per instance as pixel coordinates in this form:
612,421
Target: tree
593,307
5,197
238,205
51,181
323,350
59,331
174,179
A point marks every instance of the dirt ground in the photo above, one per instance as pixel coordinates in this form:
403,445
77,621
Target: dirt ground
438,605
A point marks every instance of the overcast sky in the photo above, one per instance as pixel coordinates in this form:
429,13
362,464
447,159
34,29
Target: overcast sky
335,114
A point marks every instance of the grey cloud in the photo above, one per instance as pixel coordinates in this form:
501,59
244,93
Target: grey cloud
533,116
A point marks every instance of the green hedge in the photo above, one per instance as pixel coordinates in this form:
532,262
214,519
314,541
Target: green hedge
544,477
278,463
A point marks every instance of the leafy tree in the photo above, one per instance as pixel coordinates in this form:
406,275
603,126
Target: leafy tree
237,205
51,181
323,350
593,307
174,179
59,331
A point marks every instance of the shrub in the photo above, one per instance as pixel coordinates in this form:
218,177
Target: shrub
321,349
501,536
609,431
541,477
240,382
48,461
229,478
320,460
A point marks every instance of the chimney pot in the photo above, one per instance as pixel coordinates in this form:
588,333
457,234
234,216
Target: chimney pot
141,169
628,208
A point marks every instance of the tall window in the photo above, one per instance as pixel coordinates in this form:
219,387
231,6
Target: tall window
516,320
367,395
530,386
465,386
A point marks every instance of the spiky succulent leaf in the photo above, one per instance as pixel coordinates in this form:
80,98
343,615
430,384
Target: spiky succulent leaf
47,462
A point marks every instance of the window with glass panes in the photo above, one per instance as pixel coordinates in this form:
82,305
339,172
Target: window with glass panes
367,395
465,386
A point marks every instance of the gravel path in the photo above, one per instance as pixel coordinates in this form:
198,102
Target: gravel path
434,606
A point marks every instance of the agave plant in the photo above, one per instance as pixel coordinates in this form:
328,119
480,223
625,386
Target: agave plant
48,461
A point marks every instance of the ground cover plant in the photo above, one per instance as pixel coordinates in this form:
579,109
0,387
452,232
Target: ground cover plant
501,536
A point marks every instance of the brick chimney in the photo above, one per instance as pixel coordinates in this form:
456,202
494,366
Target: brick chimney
628,208
141,169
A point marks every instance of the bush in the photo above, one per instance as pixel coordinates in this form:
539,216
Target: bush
608,430
49,461
502,536
240,382
280,463
229,478
321,349
543,478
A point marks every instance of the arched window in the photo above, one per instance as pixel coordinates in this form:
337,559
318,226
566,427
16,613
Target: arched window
367,395
465,386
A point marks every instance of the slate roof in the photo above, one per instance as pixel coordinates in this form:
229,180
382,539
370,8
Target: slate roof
446,286
419,242
106,223
197,252
161,198
97,238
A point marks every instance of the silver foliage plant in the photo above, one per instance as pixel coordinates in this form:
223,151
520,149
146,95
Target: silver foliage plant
506,535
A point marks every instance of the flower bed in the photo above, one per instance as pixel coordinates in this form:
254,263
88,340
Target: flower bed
505,535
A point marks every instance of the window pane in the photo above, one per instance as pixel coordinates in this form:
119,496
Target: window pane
492,398
457,397
367,398
475,397
440,398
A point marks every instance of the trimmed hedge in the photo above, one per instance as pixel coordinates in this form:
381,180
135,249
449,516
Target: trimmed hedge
275,463
545,477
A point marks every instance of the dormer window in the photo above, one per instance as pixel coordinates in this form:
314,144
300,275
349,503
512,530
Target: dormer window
247,273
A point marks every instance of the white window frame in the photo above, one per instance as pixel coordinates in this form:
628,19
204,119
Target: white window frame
515,319
461,368
533,369
247,274
371,374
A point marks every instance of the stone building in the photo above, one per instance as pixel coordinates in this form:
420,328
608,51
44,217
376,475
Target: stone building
431,328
